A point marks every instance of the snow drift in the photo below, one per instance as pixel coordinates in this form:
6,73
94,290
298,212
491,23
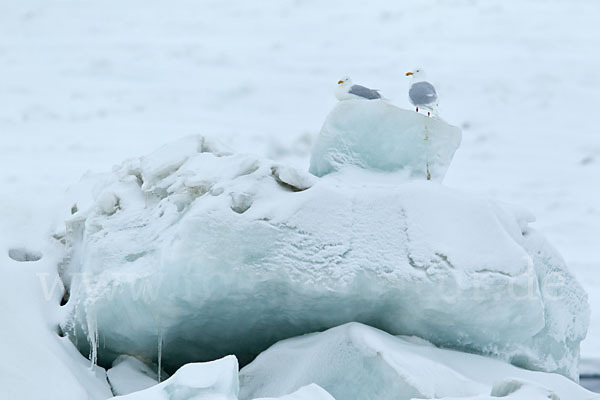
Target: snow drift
37,362
355,361
217,380
193,253
379,136
308,392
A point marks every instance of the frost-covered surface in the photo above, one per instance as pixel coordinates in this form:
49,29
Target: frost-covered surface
215,380
128,375
380,136
355,361
197,253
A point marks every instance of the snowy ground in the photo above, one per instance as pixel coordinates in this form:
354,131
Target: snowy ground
87,84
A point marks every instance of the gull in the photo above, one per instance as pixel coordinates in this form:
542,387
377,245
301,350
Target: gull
346,90
422,93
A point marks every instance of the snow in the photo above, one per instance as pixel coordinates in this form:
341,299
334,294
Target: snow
128,375
521,389
515,389
37,362
308,392
354,361
215,380
210,254
289,176
86,85
380,136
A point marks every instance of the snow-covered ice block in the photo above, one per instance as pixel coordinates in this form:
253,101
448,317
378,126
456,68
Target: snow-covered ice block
228,253
215,380
128,375
380,136
354,361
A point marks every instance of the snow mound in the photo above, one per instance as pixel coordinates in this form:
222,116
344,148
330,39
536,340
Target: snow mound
355,361
308,392
216,380
379,136
193,253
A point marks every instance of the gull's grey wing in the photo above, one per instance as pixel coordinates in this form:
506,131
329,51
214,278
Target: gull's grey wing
365,92
422,93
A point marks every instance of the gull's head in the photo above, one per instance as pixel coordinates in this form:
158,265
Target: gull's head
417,75
342,88
345,81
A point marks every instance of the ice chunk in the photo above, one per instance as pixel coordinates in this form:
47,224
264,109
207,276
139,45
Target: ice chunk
172,156
108,203
128,375
292,178
216,380
379,136
218,257
355,361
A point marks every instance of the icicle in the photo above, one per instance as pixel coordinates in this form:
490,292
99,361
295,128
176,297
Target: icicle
160,345
92,336
427,139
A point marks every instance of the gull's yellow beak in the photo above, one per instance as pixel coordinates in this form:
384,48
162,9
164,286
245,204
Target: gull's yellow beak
409,74
340,82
